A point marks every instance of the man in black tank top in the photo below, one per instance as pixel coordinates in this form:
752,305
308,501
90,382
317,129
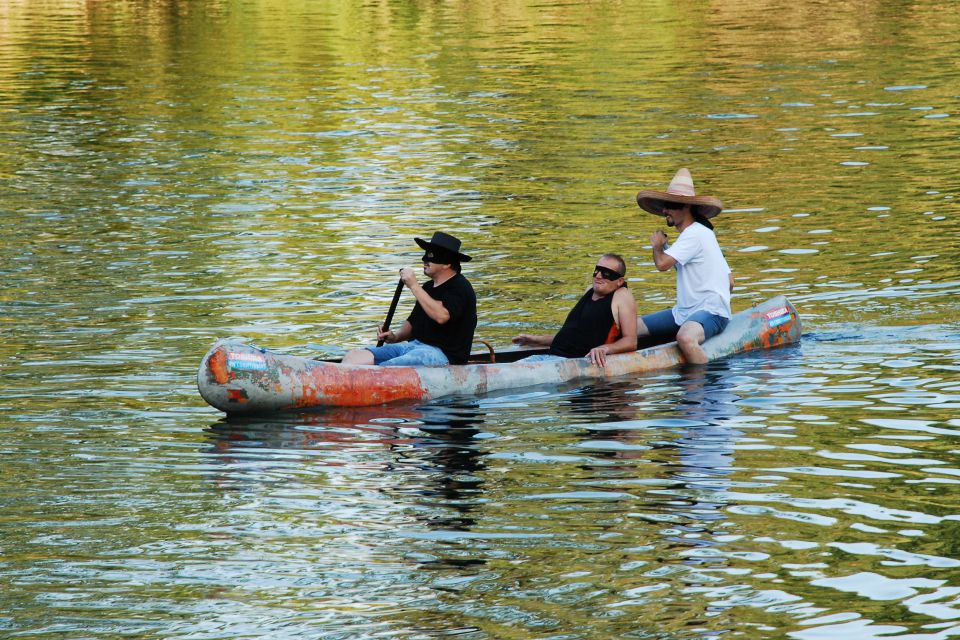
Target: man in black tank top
603,322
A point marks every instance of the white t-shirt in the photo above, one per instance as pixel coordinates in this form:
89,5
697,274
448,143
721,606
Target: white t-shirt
703,276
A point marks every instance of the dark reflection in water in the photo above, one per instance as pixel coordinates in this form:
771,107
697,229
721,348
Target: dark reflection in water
452,459
433,448
425,462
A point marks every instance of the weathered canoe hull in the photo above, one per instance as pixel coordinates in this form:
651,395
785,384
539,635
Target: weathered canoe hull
240,378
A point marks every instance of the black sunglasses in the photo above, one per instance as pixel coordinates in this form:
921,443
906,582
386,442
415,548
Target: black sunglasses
671,206
432,258
606,274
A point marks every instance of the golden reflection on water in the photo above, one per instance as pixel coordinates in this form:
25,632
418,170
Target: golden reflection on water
330,145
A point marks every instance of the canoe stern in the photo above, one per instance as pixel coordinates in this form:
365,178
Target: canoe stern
773,323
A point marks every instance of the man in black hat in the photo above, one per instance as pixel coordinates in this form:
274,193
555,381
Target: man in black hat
439,330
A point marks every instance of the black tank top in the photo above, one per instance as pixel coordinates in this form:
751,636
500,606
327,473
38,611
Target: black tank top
589,324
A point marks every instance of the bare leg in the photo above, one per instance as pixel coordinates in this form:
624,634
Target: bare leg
642,331
689,339
358,356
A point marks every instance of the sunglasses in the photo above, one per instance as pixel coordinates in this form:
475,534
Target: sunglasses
430,257
670,206
606,274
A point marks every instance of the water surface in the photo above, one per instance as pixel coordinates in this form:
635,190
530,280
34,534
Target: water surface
174,172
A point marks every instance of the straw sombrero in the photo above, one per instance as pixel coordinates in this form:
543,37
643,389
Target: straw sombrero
680,191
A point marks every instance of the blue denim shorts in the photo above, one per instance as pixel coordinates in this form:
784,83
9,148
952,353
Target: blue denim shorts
662,326
408,354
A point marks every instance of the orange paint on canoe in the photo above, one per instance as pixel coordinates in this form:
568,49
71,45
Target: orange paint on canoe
218,366
357,386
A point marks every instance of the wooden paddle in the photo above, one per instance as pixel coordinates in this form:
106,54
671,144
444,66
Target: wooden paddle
393,307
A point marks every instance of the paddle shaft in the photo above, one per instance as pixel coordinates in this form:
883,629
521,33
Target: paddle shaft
393,307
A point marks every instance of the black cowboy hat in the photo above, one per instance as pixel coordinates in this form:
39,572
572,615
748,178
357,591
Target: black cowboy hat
443,242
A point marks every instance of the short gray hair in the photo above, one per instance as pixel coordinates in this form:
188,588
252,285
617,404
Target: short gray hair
619,260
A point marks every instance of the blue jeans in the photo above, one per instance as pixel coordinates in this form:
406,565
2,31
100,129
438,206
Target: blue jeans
662,326
541,357
408,354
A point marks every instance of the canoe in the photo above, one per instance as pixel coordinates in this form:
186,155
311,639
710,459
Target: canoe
241,378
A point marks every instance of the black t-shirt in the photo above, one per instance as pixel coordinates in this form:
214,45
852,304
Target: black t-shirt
455,337
589,324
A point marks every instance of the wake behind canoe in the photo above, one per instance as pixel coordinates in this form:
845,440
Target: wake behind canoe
237,378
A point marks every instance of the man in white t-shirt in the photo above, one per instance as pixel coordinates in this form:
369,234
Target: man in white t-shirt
704,280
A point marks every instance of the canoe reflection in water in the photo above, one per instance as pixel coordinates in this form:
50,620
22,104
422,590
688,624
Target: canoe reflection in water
424,460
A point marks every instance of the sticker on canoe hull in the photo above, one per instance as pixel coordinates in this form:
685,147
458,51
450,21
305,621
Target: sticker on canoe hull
777,317
246,362
776,322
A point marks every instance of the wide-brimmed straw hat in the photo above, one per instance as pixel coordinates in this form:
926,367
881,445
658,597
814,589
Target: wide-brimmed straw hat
680,191
444,242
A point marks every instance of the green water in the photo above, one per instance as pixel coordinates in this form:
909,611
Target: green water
176,172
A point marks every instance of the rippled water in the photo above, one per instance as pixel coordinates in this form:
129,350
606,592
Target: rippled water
174,172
